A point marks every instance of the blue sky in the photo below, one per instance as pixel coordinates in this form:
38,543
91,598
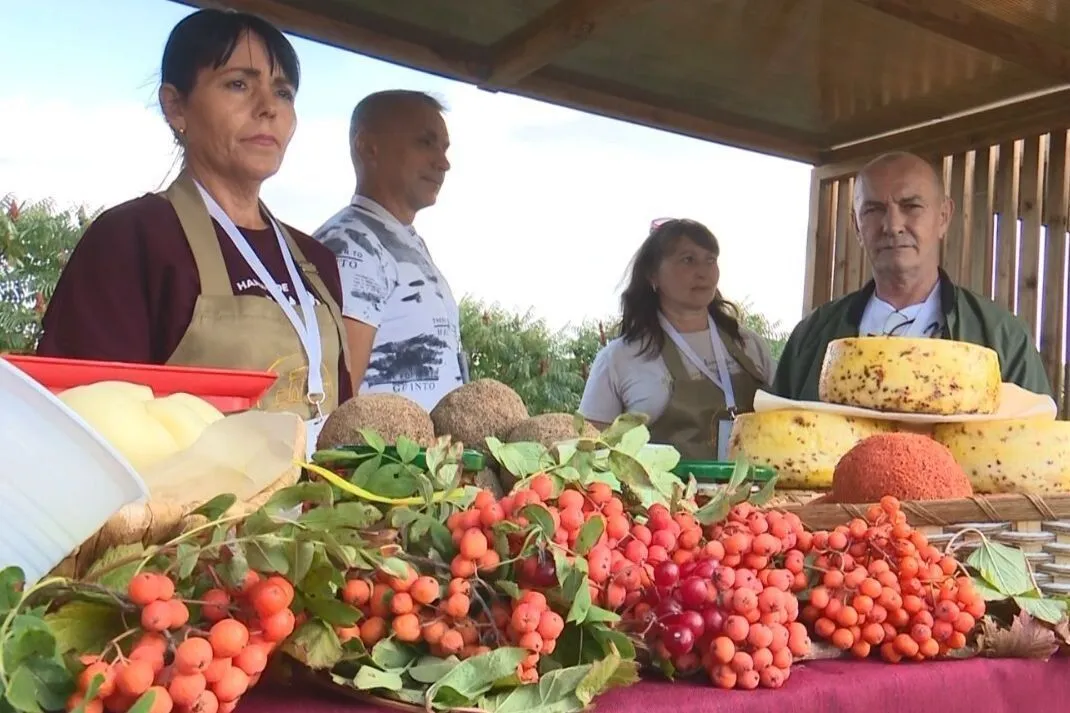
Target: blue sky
543,208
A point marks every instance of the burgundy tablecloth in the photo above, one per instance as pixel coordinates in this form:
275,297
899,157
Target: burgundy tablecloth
974,686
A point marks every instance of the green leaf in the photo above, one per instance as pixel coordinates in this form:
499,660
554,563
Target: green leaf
602,673
354,515
315,644
430,668
12,582
186,557
389,654
1052,611
634,440
634,474
267,554
1002,567
235,570
541,518
81,626
53,682
598,615
365,470
217,506
369,678
739,474
621,426
302,554
611,639
714,511
407,449
373,439
118,578
392,481
520,459
27,640
332,611
589,534
581,603
475,676
988,593
22,690
762,496
144,703
318,493
509,589
395,567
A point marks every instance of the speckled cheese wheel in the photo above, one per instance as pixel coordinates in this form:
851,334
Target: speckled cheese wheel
1017,456
901,375
802,446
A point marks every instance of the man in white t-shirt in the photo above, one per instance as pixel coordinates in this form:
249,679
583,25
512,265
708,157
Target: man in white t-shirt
402,322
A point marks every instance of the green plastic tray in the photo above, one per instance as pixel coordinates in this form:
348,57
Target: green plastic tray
471,461
708,471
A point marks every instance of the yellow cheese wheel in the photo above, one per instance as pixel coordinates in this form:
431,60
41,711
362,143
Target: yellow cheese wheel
902,375
1014,456
802,446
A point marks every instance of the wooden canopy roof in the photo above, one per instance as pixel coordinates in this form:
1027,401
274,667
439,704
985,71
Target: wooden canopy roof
820,81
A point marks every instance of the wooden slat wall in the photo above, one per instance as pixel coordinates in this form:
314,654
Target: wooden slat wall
1008,239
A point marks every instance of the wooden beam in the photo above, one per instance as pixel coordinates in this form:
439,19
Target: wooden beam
563,26
963,133
962,22
422,50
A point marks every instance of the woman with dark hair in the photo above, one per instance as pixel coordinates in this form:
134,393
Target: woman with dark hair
202,274
683,359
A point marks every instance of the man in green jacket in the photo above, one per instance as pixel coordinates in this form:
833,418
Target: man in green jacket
901,214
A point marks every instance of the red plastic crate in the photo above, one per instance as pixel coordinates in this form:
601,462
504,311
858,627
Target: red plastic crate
228,390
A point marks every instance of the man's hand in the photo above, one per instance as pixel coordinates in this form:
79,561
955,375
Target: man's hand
360,337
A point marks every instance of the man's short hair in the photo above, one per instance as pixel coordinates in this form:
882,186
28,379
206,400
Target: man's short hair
375,107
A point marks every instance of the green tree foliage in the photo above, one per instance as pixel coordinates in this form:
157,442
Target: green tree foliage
35,242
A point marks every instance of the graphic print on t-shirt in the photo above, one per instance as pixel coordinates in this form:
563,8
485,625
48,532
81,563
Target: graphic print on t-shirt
390,282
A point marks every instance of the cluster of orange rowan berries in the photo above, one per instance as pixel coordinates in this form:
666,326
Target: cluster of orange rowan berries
187,669
884,588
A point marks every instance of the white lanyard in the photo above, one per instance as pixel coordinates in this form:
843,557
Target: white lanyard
723,379
308,330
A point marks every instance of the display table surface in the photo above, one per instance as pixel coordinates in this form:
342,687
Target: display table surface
973,686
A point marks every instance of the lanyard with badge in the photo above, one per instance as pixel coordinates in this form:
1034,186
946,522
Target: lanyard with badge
307,327
722,379
371,208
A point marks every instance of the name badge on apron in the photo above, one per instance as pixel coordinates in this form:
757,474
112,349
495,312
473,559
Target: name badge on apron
722,425
723,421
313,426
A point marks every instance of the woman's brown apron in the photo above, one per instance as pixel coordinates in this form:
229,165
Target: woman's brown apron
229,331
697,406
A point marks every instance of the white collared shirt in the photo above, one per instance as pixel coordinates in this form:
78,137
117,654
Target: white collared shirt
925,319
390,282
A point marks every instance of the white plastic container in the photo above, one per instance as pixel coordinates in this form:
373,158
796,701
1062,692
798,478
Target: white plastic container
59,480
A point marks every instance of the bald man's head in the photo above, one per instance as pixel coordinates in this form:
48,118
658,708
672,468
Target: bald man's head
902,213
901,161
398,141
376,111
